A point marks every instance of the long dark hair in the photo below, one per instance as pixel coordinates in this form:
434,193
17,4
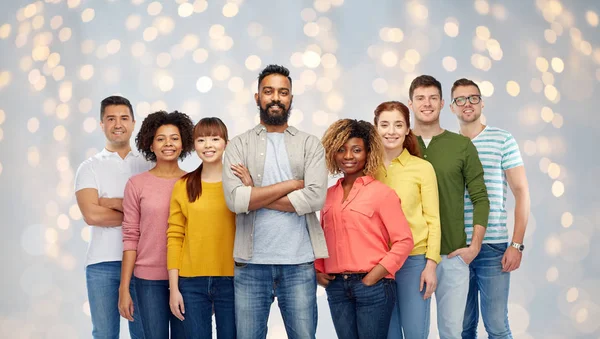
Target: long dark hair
204,128
410,141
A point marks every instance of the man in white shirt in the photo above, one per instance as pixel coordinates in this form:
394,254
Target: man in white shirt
99,187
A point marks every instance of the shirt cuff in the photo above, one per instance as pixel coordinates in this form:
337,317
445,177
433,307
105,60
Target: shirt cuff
130,245
299,202
242,199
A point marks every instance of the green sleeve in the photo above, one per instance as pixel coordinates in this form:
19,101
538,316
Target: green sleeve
473,174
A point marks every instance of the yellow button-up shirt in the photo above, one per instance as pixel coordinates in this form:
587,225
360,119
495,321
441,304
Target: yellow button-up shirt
415,182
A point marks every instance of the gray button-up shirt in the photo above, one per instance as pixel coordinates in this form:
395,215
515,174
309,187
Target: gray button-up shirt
307,161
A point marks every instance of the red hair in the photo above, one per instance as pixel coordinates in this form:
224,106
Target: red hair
410,141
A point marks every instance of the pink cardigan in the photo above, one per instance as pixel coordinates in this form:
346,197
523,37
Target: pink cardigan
145,222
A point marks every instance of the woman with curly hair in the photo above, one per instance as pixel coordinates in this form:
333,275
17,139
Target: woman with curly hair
200,241
366,233
164,138
415,182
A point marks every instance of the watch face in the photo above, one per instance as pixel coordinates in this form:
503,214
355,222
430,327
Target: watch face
521,248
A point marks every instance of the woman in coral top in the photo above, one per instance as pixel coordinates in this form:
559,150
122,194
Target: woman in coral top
200,241
415,182
367,235
164,138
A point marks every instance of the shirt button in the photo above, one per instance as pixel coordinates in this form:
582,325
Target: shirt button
259,175
425,156
263,139
262,154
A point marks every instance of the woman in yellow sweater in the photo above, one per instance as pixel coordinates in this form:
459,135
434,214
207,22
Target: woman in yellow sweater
415,182
200,241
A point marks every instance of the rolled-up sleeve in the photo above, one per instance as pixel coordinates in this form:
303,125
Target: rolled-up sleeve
131,218
312,197
237,196
399,232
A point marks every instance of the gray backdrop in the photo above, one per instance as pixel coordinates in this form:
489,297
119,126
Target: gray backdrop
538,64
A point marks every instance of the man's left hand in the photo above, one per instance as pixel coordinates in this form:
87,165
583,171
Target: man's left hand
467,254
511,259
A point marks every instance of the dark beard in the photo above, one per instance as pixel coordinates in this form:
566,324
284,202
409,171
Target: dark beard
274,120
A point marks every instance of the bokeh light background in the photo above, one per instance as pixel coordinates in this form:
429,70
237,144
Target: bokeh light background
537,62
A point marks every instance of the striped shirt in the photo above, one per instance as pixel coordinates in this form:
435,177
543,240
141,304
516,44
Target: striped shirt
498,152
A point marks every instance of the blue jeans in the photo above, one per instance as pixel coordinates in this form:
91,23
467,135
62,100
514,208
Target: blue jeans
451,296
359,311
295,287
410,318
103,280
153,306
200,295
489,285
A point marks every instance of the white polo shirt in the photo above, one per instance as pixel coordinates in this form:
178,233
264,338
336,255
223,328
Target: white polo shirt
108,173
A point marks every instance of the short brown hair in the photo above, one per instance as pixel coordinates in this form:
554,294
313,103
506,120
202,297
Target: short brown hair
424,81
463,82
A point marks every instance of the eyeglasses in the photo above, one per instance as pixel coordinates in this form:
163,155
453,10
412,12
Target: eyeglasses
461,101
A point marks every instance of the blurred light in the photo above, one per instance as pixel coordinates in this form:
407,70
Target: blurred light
165,83
311,29
63,222
558,188
90,124
529,147
412,56
513,88
163,60
592,18
586,47
324,85
253,62
59,133
547,114
65,92
558,65
451,27
380,85
553,170
389,59
154,8
150,34
566,219
487,88
56,22
550,36
200,6
553,245
88,15
541,64
40,53
200,55
62,111
53,60
86,72
572,294
37,22
221,72
320,118
557,121
138,49
33,156
113,46
88,46
265,43
235,84
185,10
33,124
190,42
418,11
335,102
483,33
133,22
230,10
5,31
308,14
328,60
322,5
26,63
547,78
308,77
216,31
73,3
5,78
255,29
311,59
158,105
552,274
536,85
164,24
482,7
550,92
204,84
406,66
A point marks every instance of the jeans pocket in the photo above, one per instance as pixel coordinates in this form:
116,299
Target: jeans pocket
240,264
462,260
497,248
306,264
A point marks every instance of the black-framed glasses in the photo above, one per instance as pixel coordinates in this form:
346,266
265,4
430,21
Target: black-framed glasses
461,101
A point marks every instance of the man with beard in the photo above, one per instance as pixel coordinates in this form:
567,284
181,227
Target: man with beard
275,179
456,165
99,188
502,166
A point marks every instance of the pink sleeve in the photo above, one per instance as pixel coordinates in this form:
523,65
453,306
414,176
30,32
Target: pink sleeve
397,227
131,218
320,263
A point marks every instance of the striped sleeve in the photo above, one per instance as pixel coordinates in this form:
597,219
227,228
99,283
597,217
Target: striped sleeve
511,156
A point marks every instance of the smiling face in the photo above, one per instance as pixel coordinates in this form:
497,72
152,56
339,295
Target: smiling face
167,145
210,148
426,103
468,112
393,129
352,157
274,99
117,125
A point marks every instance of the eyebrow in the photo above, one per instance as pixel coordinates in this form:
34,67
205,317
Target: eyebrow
273,88
164,135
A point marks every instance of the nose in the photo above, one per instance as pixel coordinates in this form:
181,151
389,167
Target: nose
348,154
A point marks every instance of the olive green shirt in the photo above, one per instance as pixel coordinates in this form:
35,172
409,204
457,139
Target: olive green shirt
456,164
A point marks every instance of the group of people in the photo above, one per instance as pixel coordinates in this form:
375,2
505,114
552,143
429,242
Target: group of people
416,211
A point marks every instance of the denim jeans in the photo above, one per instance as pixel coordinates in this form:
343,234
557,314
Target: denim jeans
410,318
295,287
451,296
200,295
359,311
153,306
103,280
489,285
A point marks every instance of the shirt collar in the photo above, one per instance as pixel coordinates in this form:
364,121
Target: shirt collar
403,157
107,153
364,180
258,129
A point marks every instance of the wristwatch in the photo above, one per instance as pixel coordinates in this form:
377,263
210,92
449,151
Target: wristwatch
518,246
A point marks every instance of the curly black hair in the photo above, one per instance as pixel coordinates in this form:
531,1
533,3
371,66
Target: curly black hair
153,121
